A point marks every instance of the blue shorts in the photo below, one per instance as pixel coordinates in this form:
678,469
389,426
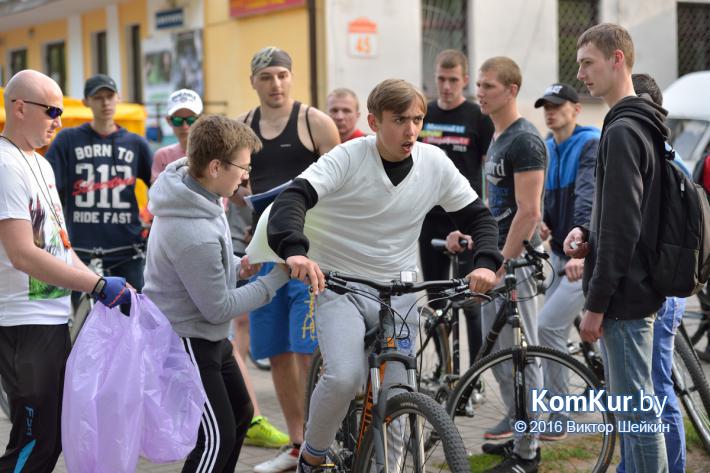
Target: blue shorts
286,324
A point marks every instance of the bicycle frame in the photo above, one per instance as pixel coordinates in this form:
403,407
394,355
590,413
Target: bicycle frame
509,314
385,351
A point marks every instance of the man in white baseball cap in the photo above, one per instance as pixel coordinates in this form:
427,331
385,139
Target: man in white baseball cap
184,107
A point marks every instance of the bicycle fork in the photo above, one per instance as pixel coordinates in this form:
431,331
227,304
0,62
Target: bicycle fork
519,358
377,395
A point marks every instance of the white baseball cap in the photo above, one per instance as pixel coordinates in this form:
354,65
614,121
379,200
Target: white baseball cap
184,98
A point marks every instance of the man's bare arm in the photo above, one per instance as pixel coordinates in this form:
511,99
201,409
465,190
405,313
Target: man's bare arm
528,192
16,237
325,133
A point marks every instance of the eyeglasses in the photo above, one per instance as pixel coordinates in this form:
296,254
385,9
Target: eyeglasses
247,169
178,121
52,112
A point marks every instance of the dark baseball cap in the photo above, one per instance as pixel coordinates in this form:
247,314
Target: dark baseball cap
98,82
558,94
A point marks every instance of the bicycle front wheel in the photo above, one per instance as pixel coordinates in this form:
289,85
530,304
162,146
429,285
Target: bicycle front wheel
434,359
692,389
419,437
478,404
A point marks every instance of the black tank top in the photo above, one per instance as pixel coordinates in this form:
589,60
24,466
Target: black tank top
282,158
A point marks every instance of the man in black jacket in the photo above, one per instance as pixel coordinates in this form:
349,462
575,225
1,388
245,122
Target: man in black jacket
621,304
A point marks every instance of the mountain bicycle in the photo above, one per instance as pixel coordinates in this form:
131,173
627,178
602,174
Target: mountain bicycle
439,341
689,381
517,363
385,430
699,332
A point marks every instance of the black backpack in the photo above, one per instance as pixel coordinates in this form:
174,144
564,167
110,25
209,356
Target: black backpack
681,262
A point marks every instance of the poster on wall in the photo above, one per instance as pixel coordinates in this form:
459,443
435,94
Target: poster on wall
171,61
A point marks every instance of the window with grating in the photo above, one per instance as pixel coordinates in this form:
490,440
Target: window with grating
443,27
573,19
693,37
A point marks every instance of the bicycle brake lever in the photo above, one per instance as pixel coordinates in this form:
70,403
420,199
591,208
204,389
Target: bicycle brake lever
337,287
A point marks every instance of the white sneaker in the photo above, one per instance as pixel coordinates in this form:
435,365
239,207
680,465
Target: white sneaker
286,460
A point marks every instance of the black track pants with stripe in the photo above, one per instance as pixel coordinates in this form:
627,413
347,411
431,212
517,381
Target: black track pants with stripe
32,362
227,413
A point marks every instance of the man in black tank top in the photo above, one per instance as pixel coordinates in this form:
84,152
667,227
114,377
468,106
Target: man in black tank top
294,135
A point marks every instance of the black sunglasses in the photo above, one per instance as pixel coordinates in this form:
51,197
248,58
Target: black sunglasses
247,169
52,112
178,121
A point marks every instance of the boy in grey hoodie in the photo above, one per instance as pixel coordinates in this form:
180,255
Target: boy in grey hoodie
191,275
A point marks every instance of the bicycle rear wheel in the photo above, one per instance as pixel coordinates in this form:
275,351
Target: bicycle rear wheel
412,420
592,450
313,375
79,315
4,403
434,359
692,389
343,448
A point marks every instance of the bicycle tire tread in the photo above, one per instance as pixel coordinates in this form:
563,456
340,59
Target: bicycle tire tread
454,449
548,353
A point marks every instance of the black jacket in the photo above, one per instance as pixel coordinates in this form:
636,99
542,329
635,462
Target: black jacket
624,222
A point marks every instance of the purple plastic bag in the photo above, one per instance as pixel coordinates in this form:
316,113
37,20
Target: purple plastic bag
103,393
129,388
173,397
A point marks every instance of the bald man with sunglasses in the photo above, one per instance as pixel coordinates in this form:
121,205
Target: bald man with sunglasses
38,268
96,166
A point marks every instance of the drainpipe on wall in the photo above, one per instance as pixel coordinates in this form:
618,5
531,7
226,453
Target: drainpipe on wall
312,51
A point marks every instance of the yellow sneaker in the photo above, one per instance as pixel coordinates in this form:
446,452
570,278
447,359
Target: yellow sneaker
262,434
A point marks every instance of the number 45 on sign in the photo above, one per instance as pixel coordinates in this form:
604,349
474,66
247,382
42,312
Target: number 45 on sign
362,38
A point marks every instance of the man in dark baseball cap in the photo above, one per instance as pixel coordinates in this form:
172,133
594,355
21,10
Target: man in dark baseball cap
558,94
569,191
96,165
98,82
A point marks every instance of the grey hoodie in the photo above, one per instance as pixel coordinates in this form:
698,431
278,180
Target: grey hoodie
191,272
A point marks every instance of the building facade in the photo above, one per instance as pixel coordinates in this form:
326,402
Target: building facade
152,47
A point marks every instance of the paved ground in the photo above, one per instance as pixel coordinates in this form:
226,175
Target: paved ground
269,405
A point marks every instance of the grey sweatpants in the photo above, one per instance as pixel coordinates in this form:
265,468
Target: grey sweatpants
525,446
341,323
563,302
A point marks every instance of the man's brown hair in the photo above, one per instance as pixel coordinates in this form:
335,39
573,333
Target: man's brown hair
394,95
507,71
217,137
450,58
608,37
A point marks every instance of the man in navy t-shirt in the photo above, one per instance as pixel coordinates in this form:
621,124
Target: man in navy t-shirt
96,167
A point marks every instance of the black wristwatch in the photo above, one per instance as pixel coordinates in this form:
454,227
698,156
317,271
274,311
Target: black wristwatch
99,287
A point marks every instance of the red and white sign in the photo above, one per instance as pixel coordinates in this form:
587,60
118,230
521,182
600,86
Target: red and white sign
362,38
242,8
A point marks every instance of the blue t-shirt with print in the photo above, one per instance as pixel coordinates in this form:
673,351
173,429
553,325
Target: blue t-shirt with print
96,178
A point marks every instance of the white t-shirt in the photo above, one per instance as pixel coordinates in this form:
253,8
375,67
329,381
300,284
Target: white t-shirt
363,224
23,299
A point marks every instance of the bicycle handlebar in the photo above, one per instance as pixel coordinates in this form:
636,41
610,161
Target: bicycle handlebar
99,252
451,288
532,257
438,244
335,280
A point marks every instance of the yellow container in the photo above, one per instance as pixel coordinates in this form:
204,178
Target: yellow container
130,116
